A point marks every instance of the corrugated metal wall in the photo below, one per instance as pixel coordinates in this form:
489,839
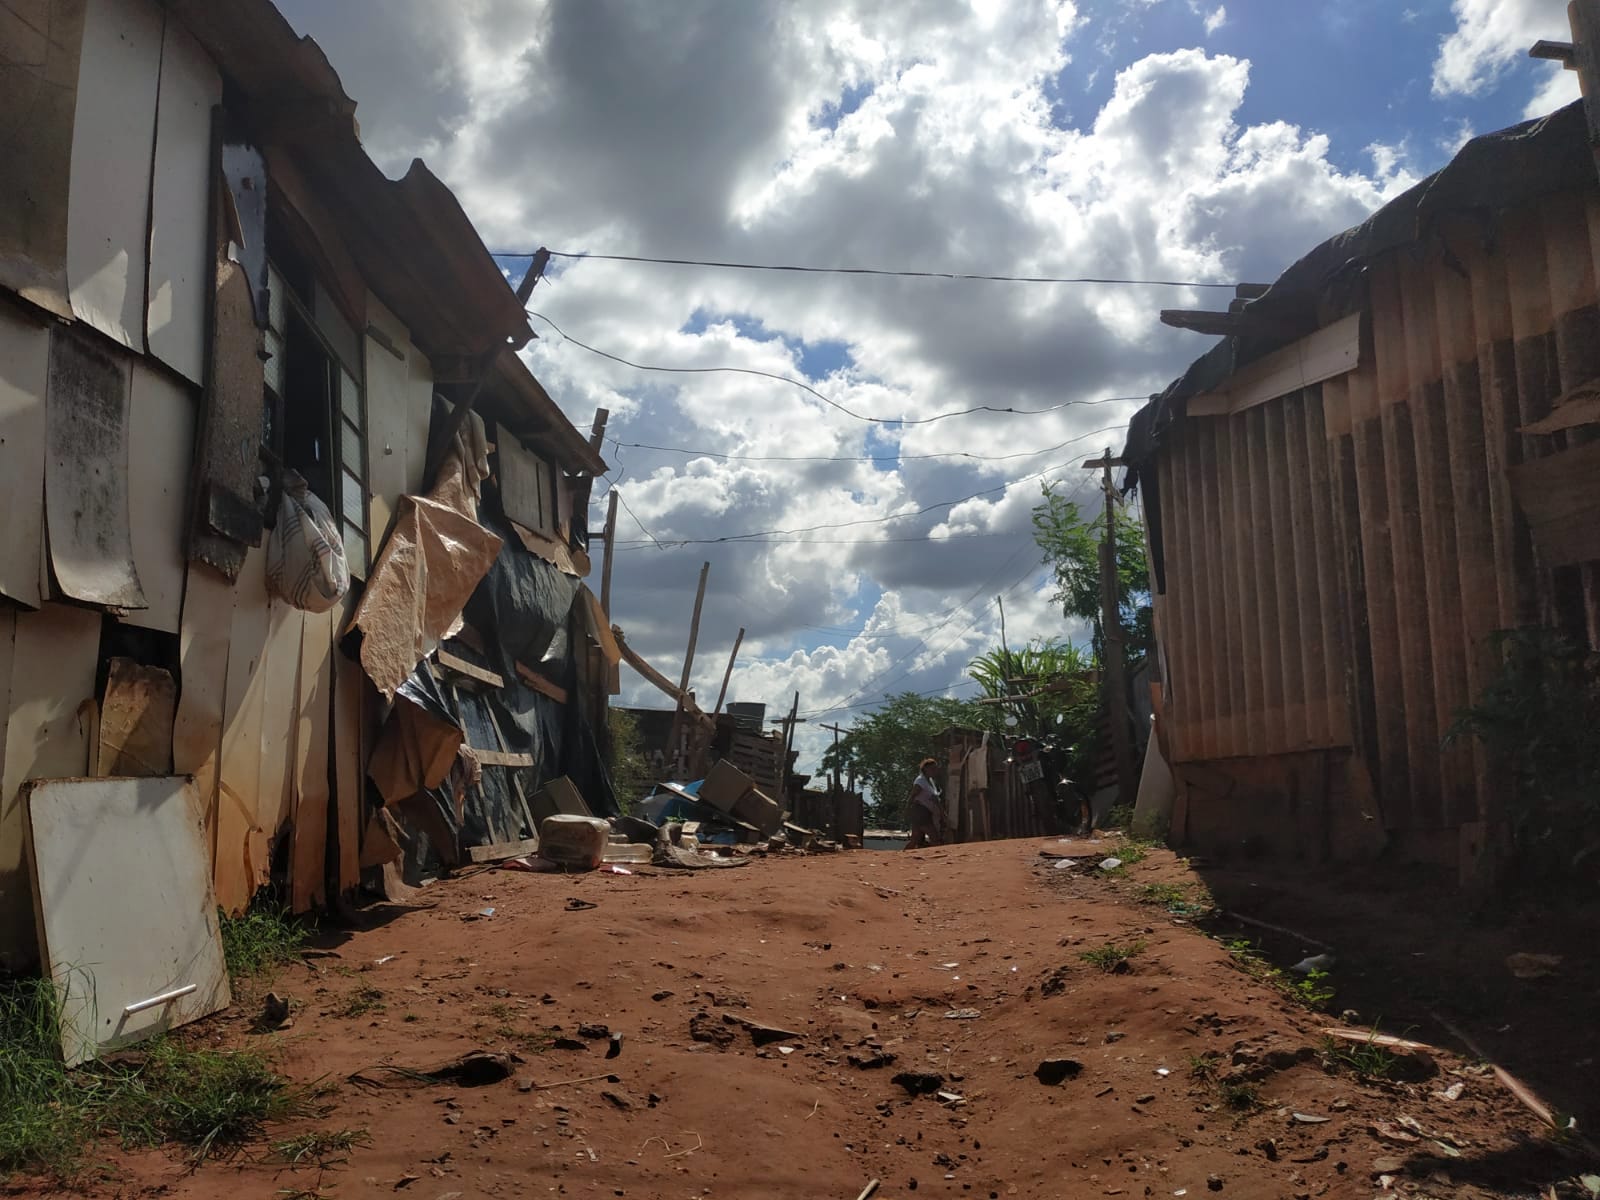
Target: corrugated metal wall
1337,558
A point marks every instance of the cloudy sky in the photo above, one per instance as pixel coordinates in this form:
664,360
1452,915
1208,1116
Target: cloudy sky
1151,139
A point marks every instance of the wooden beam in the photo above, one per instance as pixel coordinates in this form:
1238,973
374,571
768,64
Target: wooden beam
605,567
597,434
632,658
501,851
688,658
540,684
462,667
1564,53
728,674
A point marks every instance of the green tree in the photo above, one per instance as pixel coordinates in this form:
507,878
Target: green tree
1061,703
885,747
630,773
1071,545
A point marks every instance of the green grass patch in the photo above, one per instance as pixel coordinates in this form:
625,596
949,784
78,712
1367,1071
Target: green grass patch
1113,957
319,1147
1366,1059
1166,895
1203,1067
211,1101
1313,990
261,940
365,999
1241,1097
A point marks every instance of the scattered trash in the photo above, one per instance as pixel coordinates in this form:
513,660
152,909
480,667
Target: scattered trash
962,1014
378,962
759,1033
1446,1149
615,1048
1052,1071
1317,962
919,1083
1310,1119
481,914
613,869
866,1192
1063,864
1214,1182
951,1098
274,1012
1451,1093
574,904
566,1043
1110,864
1591,1184
1532,966
873,1058
595,1033
663,994
949,966
786,1050
1388,1132
1163,1071
476,1069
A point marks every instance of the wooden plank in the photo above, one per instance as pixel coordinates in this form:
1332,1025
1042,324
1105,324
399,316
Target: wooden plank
240,840
501,851
123,879
501,758
86,472
1245,529
1270,647
454,662
179,288
540,684
1303,554
1331,351
160,451
202,685
349,766
1332,592
24,372
136,720
280,718
53,656
1441,571
525,485
113,135
1406,542
307,864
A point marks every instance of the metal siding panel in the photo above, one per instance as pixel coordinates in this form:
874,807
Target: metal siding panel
24,370
1313,676
1332,591
1245,529
160,454
1285,581
113,138
1270,647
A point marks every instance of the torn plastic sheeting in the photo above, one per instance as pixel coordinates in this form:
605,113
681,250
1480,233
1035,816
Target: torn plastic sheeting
522,605
552,550
428,567
418,743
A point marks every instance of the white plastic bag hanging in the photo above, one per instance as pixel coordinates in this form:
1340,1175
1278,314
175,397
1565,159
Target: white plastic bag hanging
305,554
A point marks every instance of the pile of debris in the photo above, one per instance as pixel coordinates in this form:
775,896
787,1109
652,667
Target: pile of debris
718,821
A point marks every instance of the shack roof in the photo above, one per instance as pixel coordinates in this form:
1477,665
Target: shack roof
1488,175
414,245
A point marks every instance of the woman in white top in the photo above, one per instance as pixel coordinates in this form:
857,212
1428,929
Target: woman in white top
925,812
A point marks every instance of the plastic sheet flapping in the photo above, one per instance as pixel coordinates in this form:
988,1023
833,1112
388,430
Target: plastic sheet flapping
522,605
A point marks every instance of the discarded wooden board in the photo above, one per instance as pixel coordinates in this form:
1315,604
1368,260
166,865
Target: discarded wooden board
136,720
501,851
501,758
558,796
127,920
724,786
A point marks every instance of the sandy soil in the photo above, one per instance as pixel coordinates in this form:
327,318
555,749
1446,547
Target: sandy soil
860,957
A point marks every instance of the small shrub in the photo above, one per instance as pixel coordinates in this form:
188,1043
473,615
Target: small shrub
365,999
1366,1059
1113,958
1238,1095
1313,991
320,1147
1203,1067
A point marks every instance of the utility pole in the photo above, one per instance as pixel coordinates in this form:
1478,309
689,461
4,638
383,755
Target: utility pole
1116,667
833,790
794,718
605,567
1004,649
688,661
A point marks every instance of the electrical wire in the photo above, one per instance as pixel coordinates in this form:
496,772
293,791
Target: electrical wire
638,522
806,387
876,458
802,269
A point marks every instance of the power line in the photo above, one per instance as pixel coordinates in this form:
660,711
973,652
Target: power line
631,544
806,387
801,269
875,458
638,522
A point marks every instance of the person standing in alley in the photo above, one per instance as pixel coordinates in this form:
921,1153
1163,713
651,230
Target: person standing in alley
925,810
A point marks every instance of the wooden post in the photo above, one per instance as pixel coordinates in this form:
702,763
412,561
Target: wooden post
688,661
605,567
788,723
1111,636
597,434
728,674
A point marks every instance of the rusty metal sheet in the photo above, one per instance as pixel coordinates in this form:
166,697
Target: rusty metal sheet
108,205
180,201
46,734
136,720
24,370
38,98
86,473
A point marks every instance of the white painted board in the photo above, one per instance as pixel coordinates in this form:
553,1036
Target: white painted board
161,424
419,416
108,200
122,879
175,309
24,369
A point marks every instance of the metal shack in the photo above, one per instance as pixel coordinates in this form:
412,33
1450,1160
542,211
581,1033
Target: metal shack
205,281
1390,455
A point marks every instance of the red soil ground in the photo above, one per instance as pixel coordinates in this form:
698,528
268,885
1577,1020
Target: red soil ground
860,956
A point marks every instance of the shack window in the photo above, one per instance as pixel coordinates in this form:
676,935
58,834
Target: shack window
316,403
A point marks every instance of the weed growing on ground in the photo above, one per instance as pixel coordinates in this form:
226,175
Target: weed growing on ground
1166,895
1241,1097
1366,1059
1313,991
209,1100
1203,1066
263,938
320,1147
1134,850
365,999
1113,957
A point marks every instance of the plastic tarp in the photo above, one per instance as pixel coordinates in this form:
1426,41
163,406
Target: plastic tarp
522,607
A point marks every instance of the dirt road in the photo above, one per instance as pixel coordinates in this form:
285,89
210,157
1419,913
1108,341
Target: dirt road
964,963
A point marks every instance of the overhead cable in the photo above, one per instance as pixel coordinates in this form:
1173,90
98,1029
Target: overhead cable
806,387
874,458
885,272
